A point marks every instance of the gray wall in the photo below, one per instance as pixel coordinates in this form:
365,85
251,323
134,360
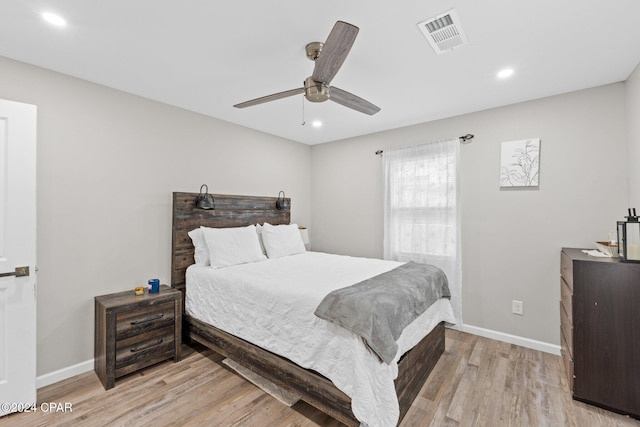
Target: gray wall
633,136
511,240
107,165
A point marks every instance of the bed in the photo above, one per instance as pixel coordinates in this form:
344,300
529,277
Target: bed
303,378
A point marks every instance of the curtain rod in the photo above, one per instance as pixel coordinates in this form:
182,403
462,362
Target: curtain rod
465,139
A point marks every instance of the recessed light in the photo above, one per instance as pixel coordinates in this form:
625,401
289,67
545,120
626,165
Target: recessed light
507,72
316,124
54,19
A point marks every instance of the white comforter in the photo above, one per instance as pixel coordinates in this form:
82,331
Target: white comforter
271,303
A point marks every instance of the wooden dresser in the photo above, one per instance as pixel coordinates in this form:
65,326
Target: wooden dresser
133,332
600,330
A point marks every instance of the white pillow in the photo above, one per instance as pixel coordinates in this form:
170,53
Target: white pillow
201,253
231,246
282,240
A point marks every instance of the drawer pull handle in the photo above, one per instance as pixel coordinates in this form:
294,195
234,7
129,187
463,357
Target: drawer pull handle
151,319
136,349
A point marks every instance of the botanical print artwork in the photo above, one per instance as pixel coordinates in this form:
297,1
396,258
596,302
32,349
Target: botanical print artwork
520,163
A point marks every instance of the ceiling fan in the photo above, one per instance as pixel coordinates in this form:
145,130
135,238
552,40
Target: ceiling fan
328,57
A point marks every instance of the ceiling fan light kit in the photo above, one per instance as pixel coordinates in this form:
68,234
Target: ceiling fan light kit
328,57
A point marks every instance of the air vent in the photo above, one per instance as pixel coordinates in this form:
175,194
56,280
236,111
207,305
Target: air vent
444,32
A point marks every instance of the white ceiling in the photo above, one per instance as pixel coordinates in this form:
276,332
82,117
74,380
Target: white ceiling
206,56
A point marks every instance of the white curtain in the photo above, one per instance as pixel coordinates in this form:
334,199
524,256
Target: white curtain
422,209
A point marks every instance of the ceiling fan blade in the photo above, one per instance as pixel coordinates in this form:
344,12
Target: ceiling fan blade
347,99
334,51
270,98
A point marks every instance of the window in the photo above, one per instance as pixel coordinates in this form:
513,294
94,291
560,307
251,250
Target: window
421,218
424,206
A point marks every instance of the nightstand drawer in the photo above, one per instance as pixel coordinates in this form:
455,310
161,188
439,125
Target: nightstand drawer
144,319
142,350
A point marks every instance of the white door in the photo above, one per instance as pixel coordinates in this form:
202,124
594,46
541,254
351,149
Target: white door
17,255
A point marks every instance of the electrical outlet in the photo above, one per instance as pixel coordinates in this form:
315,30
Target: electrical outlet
517,307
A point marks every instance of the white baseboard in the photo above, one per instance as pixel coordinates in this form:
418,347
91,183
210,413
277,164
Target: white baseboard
511,339
64,373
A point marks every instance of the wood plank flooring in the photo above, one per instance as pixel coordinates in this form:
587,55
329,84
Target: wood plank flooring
477,382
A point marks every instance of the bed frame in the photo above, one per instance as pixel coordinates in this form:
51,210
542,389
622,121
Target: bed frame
236,211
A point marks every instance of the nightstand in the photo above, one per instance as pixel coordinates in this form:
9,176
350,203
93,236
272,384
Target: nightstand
136,331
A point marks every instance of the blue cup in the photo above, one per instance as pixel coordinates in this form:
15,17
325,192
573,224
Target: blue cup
154,286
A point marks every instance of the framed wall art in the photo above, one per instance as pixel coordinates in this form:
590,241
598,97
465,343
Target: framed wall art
520,163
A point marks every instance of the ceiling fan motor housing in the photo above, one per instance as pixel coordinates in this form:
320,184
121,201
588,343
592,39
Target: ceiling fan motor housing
315,91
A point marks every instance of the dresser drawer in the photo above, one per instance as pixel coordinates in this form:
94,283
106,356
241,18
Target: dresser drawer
567,361
566,269
566,299
144,319
566,329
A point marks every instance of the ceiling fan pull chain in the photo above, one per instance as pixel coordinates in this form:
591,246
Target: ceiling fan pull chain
303,122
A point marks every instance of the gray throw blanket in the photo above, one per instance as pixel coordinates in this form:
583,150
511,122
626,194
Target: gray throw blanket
378,309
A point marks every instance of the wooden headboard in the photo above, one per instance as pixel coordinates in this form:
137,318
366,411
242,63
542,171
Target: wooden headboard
230,211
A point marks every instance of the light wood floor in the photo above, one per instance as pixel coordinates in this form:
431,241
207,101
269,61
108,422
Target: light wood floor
477,382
